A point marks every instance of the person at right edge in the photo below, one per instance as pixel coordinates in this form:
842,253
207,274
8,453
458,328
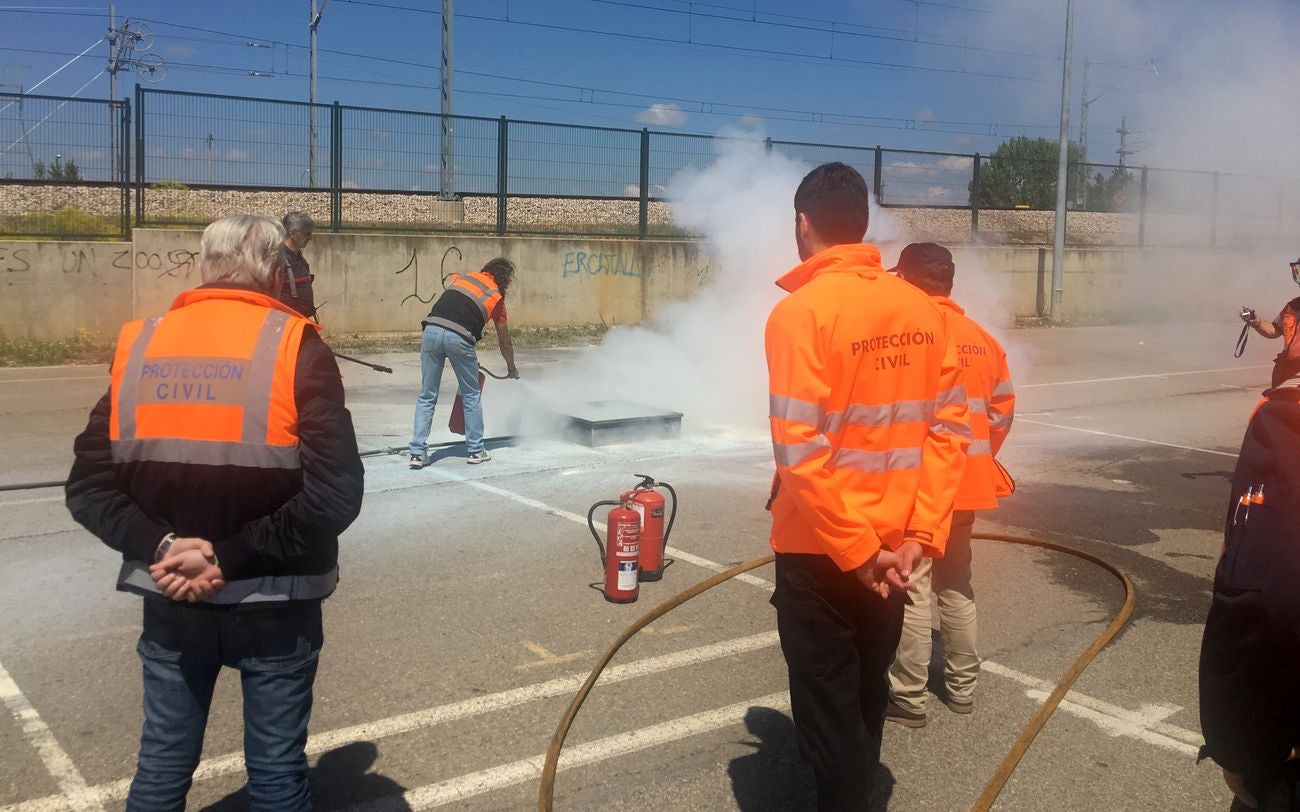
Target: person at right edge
1286,367
1250,650
991,400
451,330
869,431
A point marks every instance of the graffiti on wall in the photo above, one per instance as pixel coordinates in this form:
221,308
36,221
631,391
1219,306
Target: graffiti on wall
413,265
587,265
88,259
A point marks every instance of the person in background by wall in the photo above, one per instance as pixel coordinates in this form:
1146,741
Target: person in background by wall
454,325
869,433
296,290
991,400
1286,367
222,464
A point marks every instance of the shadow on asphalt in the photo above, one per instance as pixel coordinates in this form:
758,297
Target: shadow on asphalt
341,778
774,778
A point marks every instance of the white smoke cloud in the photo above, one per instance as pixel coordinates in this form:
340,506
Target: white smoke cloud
704,356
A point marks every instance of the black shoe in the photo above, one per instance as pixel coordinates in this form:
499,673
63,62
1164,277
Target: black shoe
899,715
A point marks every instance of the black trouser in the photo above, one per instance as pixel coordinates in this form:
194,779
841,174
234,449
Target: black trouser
838,638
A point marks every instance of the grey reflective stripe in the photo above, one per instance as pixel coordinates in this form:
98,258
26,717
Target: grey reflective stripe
962,430
205,452
873,462
790,454
1001,420
950,397
978,405
134,576
450,325
481,300
980,447
800,411
261,375
1004,388
880,415
128,394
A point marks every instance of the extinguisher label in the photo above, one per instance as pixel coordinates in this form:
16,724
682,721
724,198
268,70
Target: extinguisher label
658,512
640,511
626,575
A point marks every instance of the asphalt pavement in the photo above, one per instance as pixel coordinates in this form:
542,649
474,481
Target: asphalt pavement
466,617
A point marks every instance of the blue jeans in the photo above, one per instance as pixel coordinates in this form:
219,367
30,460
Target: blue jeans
438,345
183,650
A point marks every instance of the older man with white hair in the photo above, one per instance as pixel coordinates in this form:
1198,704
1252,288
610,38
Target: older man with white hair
223,466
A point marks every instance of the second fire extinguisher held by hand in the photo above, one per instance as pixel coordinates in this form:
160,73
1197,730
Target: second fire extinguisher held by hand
642,509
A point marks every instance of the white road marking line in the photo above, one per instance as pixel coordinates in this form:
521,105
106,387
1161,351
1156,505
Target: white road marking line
55,380
1146,724
370,731
1140,377
37,501
673,552
592,752
76,794
1126,437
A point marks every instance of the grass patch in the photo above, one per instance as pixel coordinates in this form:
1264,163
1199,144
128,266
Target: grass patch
64,223
523,338
83,348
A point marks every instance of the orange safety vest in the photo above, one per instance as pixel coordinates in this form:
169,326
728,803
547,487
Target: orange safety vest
868,416
992,402
209,383
481,288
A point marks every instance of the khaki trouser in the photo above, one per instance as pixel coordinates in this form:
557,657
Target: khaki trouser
951,584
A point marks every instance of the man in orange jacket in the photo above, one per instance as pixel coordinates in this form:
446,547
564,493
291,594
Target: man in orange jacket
991,401
869,431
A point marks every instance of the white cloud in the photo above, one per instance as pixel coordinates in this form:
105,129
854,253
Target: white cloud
236,155
925,114
351,184
948,163
662,115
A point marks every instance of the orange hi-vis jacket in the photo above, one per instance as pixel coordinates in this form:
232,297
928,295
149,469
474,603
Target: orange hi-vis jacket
480,288
869,419
992,403
183,392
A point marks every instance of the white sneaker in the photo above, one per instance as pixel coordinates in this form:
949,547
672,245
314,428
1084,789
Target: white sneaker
479,457
417,462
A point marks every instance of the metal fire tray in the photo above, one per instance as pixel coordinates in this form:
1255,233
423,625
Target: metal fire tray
606,422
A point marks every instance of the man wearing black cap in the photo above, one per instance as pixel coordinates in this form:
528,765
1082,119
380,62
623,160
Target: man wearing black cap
991,406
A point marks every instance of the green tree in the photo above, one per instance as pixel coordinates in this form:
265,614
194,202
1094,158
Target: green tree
64,171
1022,172
38,170
1113,193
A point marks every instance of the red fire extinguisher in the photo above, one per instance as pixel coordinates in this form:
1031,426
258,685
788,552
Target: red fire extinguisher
649,506
619,554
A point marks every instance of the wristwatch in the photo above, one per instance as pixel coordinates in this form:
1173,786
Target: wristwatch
163,547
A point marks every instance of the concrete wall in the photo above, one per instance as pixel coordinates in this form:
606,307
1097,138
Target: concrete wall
384,283
53,289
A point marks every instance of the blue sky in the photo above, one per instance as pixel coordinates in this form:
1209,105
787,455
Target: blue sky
947,75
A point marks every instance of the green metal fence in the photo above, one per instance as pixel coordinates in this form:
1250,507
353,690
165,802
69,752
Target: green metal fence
93,168
64,167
